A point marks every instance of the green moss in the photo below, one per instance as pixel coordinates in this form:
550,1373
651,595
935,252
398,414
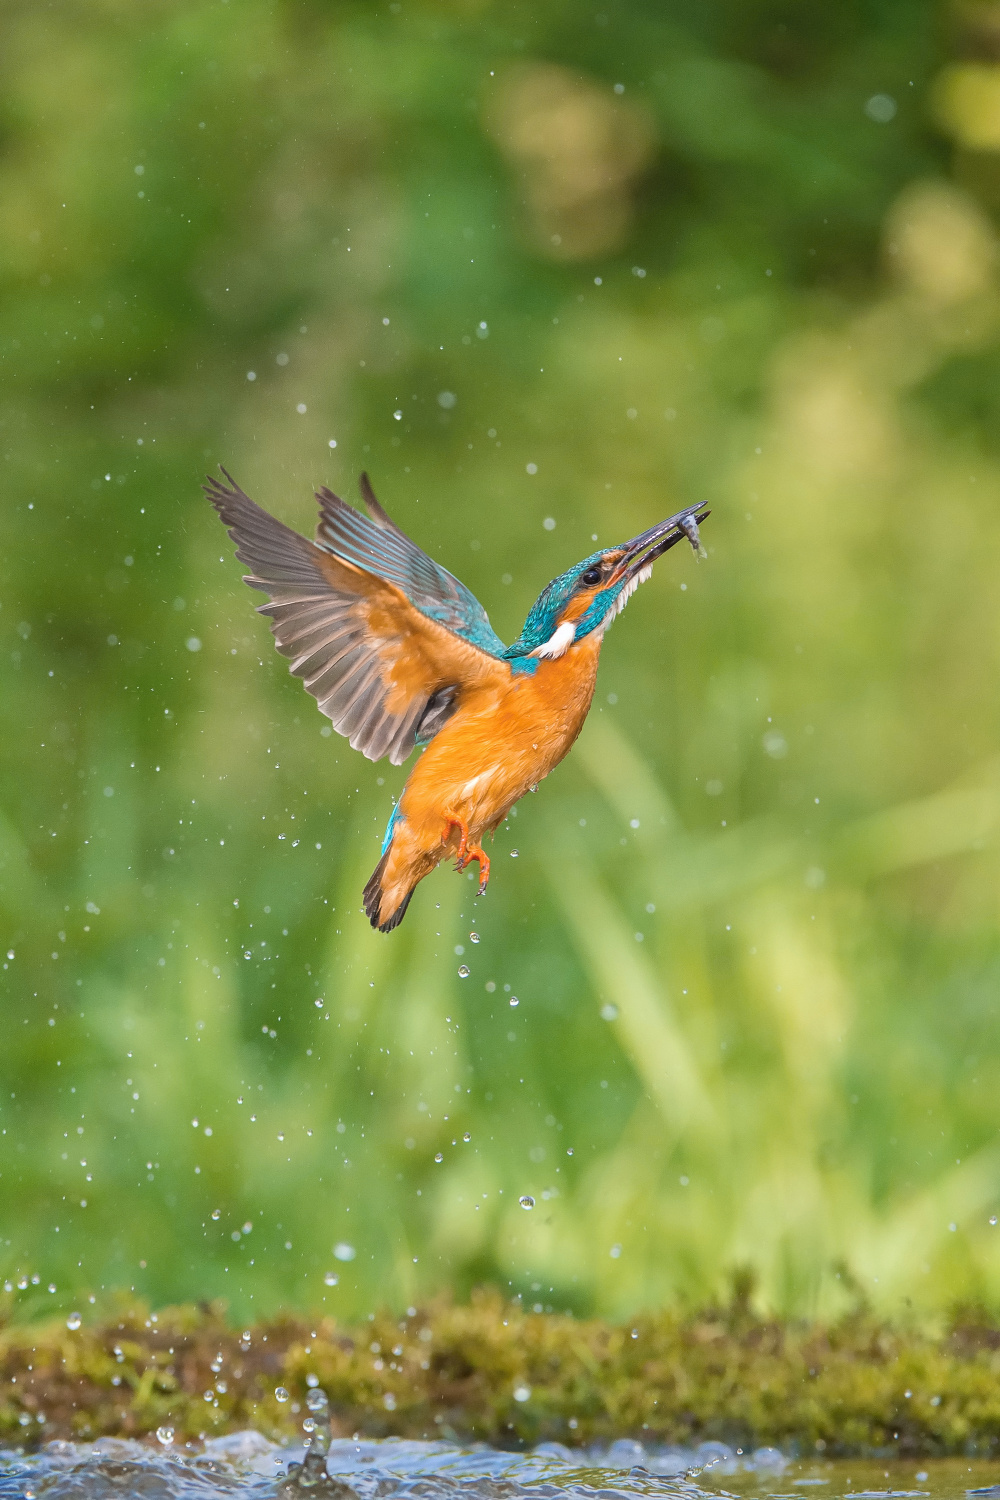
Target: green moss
857,1386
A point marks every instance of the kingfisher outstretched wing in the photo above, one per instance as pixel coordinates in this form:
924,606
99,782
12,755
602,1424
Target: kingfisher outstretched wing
387,641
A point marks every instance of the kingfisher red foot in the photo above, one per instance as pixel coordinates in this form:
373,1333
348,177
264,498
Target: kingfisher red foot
399,654
451,823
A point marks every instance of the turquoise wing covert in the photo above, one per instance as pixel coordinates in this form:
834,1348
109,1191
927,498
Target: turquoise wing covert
379,546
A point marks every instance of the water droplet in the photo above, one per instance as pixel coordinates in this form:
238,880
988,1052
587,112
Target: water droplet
514,853
216,1213
165,1435
248,954
73,1322
463,971
467,1136
609,1012
281,1394
331,1278
438,1156
473,937
308,1425
881,108
316,1400
398,416
344,1251
526,1202
522,1392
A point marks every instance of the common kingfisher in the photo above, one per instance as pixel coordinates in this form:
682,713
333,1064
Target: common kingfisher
398,654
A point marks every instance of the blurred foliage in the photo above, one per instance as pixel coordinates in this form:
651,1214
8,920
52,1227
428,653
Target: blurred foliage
488,1371
526,264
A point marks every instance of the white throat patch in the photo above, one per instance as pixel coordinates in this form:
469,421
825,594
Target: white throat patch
641,577
558,642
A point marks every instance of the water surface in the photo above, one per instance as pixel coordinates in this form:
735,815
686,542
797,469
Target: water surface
247,1465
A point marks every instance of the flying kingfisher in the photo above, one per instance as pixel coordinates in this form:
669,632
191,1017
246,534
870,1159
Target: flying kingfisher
398,654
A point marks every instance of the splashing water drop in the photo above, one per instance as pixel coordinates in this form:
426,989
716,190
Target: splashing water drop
514,853
281,1394
464,971
438,1156
514,1000
73,1322
165,1435
473,937
526,1201
216,1213
467,1136
311,1477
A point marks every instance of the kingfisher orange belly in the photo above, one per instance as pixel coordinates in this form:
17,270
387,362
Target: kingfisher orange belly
400,655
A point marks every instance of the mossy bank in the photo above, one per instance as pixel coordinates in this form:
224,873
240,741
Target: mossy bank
490,1371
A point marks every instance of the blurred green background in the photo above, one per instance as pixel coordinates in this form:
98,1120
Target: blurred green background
545,271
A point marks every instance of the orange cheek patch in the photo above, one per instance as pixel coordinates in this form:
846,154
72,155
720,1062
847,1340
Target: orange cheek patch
577,607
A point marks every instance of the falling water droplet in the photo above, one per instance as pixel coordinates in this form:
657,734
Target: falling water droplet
73,1322
165,1435
281,1394
514,853
526,1201
438,1156
331,1278
216,1213
473,937
463,971
467,1136
514,1000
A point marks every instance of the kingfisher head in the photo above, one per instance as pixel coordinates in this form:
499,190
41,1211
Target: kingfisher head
587,597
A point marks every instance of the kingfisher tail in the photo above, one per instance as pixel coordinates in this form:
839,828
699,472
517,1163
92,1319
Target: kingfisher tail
373,899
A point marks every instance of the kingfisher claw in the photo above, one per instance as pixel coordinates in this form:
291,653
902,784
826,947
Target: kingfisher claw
484,866
463,847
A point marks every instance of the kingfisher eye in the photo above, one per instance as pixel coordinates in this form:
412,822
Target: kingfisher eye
592,575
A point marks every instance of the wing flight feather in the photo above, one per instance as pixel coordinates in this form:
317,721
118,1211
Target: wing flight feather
385,640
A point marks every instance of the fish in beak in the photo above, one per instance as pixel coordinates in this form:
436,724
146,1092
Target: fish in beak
642,551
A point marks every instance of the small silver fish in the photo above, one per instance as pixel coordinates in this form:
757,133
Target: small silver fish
689,526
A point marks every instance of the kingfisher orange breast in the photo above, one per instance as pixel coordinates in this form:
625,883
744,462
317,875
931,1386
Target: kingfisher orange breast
503,742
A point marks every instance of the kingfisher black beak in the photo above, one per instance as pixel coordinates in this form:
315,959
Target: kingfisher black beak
644,549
